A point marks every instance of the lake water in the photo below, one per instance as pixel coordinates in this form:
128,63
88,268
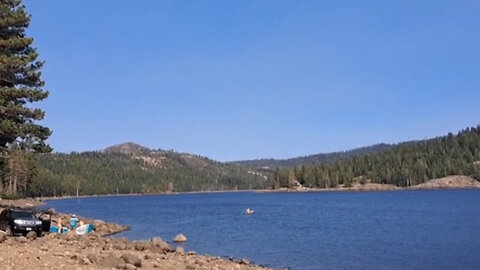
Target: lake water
438,229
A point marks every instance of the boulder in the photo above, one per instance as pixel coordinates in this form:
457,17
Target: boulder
140,246
51,211
161,245
180,250
180,238
120,246
31,235
156,240
132,259
111,261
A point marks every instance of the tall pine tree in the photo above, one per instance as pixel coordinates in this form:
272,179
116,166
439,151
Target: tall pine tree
20,85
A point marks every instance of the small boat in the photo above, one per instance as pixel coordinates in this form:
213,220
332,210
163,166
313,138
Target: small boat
249,211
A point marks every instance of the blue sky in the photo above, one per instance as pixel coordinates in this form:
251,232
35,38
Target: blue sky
238,80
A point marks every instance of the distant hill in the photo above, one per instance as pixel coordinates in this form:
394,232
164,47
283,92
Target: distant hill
127,148
402,165
132,168
271,164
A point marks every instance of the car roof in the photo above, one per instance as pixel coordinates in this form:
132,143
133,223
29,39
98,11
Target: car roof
20,210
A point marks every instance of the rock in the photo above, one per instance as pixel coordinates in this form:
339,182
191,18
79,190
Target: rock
21,239
156,240
51,211
140,246
245,261
92,258
157,265
107,247
130,266
148,256
86,261
191,253
161,245
132,259
31,235
180,250
3,237
180,238
120,246
111,261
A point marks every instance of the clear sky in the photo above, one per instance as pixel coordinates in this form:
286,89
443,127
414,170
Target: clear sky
238,80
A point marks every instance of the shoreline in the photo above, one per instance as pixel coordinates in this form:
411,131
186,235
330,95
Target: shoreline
99,251
449,182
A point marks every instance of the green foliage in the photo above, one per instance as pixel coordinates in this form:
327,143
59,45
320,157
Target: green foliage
405,164
145,172
20,85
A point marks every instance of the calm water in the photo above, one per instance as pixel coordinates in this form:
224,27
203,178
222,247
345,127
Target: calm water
327,230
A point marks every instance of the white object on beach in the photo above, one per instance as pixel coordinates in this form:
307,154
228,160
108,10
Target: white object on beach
83,229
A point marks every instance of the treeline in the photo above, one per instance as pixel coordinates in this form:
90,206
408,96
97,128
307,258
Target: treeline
325,158
109,173
403,165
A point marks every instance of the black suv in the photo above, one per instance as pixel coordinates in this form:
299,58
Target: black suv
14,221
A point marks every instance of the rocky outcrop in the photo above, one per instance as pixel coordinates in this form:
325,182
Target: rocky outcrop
453,181
180,238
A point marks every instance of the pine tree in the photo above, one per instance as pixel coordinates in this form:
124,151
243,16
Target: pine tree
20,85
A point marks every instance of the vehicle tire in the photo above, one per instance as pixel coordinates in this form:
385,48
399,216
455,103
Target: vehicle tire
8,230
39,233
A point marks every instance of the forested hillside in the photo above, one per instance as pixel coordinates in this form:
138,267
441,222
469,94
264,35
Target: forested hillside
405,164
258,164
130,168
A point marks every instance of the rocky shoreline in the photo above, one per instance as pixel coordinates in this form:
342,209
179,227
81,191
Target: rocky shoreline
95,251
449,182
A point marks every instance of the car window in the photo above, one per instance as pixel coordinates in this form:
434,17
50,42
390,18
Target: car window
22,215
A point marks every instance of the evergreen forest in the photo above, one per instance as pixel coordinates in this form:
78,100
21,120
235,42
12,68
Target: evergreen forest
404,164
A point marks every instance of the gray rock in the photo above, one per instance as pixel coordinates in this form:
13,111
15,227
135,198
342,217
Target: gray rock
132,259
180,238
191,253
111,261
31,235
